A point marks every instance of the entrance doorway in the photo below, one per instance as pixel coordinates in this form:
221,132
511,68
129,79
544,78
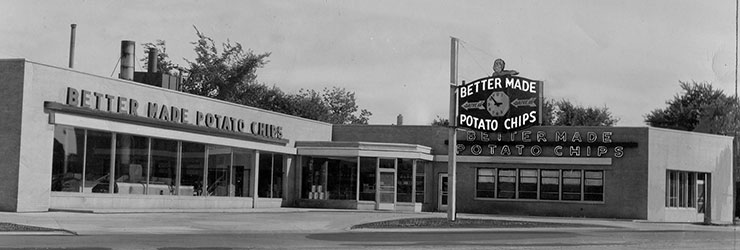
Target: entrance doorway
442,190
386,189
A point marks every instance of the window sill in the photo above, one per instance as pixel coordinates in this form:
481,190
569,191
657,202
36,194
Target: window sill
546,201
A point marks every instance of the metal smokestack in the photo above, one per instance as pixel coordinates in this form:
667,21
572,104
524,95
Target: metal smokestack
127,60
72,46
153,60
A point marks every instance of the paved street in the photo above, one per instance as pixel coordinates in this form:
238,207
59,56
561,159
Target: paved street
329,229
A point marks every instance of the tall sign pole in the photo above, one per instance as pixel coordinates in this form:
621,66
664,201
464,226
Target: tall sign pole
452,142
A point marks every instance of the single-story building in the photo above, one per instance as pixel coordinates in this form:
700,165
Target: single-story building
72,140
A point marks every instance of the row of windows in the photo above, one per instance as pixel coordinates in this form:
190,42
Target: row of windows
540,184
685,189
92,161
338,179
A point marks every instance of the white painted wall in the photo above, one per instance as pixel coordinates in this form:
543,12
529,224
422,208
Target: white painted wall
687,151
43,83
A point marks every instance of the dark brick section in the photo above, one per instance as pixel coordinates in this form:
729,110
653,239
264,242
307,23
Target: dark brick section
430,136
625,180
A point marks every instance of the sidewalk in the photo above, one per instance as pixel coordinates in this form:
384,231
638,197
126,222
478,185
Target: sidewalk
285,220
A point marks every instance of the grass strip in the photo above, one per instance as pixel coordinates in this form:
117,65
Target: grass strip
12,227
462,223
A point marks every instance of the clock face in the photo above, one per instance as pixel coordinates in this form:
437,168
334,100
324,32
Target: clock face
497,104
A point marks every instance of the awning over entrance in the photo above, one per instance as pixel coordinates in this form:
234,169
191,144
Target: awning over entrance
364,149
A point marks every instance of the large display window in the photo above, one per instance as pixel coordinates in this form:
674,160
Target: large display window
69,153
193,169
163,170
84,161
98,162
270,176
367,178
132,160
219,171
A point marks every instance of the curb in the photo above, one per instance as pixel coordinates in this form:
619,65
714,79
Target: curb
39,233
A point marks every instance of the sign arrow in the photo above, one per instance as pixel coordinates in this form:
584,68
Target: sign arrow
524,102
474,105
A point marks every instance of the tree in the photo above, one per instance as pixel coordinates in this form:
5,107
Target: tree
699,108
565,113
439,121
224,75
231,75
342,107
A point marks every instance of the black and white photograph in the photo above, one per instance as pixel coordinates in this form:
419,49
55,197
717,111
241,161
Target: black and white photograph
348,124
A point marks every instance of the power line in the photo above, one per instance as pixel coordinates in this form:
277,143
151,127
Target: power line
479,49
115,67
472,57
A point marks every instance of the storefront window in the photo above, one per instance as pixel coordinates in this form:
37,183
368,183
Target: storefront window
98,162
342,179
193,167
550,184
685,189
572,185
242,173
219,171
164,167
527,184
69,150
313,178
506,184
672,190
132,159
486,184
270,182
593,189
367,178
420,165
387,163
405,181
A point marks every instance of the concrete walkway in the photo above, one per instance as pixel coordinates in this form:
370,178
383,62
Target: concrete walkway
281,220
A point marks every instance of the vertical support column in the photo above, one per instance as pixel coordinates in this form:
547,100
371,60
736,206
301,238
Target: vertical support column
357,194
413,182
323,191
178,167
256,177
298,179
112,173
288,185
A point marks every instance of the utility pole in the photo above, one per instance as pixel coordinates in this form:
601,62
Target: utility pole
452,142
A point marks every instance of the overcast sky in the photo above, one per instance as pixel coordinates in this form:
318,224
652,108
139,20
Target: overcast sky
625,55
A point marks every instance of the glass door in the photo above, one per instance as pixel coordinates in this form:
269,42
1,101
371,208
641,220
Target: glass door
442,191
386,189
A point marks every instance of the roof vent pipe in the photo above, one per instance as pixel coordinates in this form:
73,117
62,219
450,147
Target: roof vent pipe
153,64
127,60
72,46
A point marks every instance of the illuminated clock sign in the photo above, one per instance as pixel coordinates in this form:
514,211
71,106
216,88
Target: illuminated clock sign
500,103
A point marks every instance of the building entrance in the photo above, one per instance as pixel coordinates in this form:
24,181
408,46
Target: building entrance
386,189
442,190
